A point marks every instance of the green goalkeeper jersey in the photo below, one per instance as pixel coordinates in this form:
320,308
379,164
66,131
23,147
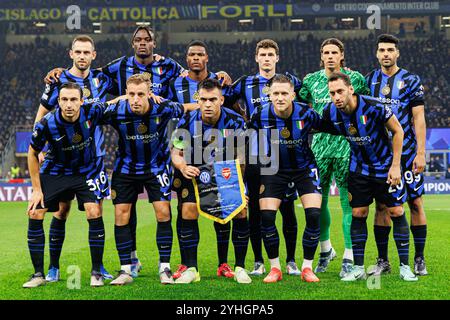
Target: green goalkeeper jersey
315,91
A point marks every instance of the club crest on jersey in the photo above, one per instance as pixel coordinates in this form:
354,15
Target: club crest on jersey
142,128
205,177
86,92
196,96
77,138
285,133
177,183
266,90
352,130
226,173
113,194
400,84
184,193
96,82
386,90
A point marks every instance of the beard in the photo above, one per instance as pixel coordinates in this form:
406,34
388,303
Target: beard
82,68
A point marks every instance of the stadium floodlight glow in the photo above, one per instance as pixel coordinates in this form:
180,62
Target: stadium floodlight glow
446,18
347,19
246,21
97,24
142,23
40,24
97,31
297,20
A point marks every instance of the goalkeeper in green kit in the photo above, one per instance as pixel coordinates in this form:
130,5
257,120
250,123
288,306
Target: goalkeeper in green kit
332,153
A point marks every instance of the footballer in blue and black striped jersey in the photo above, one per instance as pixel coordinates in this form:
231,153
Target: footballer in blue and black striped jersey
253,91
375,169
402,91
160,72
143,149
96,86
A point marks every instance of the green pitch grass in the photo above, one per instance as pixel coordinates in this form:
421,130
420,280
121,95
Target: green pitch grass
15,266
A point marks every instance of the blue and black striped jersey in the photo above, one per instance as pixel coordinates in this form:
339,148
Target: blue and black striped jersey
294,151
143,146
194,135
95,88
72,146
364,129
403,91
253,92
184,89
160,72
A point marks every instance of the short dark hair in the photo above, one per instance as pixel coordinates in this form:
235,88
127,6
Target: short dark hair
266,44
209,84
146,28
197,43
84,38
387,38
280,78
71,85
339,75
334,41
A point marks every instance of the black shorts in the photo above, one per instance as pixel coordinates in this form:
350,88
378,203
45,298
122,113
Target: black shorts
87,189
363,189
125,188
414,183
252,178
305,181
183,187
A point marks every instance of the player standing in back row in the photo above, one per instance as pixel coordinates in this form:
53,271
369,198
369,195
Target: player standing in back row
332,153
253,91
403,91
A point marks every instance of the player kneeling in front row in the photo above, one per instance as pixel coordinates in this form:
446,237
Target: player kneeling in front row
374,166
287,124
196,129
71,167
143,161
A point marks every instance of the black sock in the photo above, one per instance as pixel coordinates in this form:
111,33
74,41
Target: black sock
223,238
133,225
96,242
420,235
270,233
255,229
289,228
36,244
382,239
56,239
311,234
164,240
179,224
401,237
190,237
241,234
358,232
124,241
